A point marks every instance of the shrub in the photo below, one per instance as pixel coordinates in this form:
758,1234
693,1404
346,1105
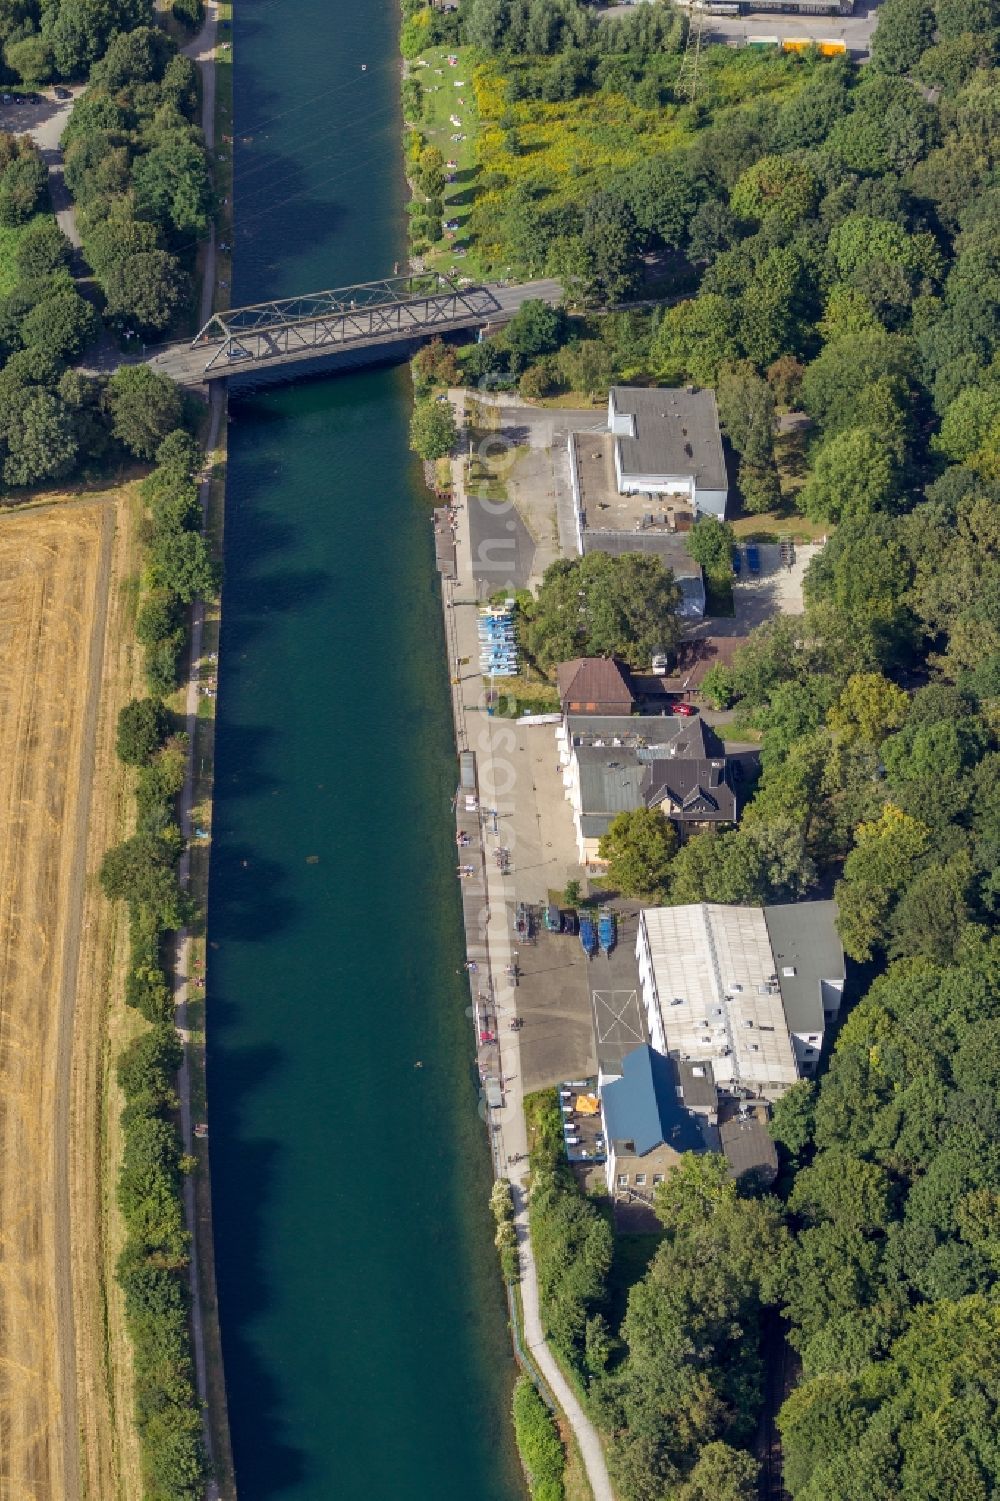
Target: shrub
190,13
433,431
538,1443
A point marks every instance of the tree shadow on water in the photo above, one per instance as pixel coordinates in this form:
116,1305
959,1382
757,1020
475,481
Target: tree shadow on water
244,1172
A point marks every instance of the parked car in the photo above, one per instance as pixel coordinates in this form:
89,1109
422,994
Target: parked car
686,710
570,923
753,558
62,93
737,562
659,665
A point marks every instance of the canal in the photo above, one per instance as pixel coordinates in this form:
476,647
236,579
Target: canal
363,1321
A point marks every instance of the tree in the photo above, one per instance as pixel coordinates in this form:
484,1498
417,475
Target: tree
600,605
638,847
870,707
146,289
776,190
878,869
433,429
933,911
145,407
38,437
761,861
792,1117
610,245
587,365
853,476
535,329
182,564
843,1188
22,186
759,485
179,455
722,1473
147,1067
42,250
710,543
143,726
905,29
435,364
746,410
62,324
696,337
31,58
538,1442
142,871
172,185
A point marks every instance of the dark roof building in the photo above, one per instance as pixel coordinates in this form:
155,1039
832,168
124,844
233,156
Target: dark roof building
614,765
809,964
595,685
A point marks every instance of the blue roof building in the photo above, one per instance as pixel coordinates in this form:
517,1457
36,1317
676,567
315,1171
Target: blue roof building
647,1124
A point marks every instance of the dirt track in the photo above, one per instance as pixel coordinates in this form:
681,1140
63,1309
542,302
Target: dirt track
62,800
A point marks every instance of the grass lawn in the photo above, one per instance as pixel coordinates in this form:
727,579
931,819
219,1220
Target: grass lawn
774,526
449,91
10,238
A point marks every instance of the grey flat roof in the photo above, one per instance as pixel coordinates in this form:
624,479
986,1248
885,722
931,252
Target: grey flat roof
804,939
610,779
669,547
748,1148
629,729
698,1083
676,432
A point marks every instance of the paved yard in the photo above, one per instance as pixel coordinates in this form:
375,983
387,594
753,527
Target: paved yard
619,1025
777,590
553,997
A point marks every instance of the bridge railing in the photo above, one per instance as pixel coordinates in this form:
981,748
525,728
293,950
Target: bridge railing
313,306
375,312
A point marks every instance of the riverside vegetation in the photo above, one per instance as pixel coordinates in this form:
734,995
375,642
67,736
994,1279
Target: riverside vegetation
135,164
153,1269
827,236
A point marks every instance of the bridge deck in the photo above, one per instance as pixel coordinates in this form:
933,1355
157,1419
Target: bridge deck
241,349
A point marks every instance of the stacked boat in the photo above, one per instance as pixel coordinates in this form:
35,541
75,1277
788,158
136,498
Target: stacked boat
498,640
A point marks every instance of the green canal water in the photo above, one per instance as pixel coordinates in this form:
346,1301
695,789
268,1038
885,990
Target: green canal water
363,1322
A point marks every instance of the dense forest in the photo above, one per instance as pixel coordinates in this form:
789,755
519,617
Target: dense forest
828,235
135,163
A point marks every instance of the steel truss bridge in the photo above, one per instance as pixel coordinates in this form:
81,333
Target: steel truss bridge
370,316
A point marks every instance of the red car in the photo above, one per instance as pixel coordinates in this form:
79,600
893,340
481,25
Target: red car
685,709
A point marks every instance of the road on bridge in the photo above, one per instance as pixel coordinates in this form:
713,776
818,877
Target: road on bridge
215,357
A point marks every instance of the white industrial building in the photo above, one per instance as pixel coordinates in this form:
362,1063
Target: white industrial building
667,443
748,989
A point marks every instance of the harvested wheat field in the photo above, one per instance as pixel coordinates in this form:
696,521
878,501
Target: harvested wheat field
65,668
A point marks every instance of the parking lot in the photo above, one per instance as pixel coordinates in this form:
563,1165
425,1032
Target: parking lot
579,1014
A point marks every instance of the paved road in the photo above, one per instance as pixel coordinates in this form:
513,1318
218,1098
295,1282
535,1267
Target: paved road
854,31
